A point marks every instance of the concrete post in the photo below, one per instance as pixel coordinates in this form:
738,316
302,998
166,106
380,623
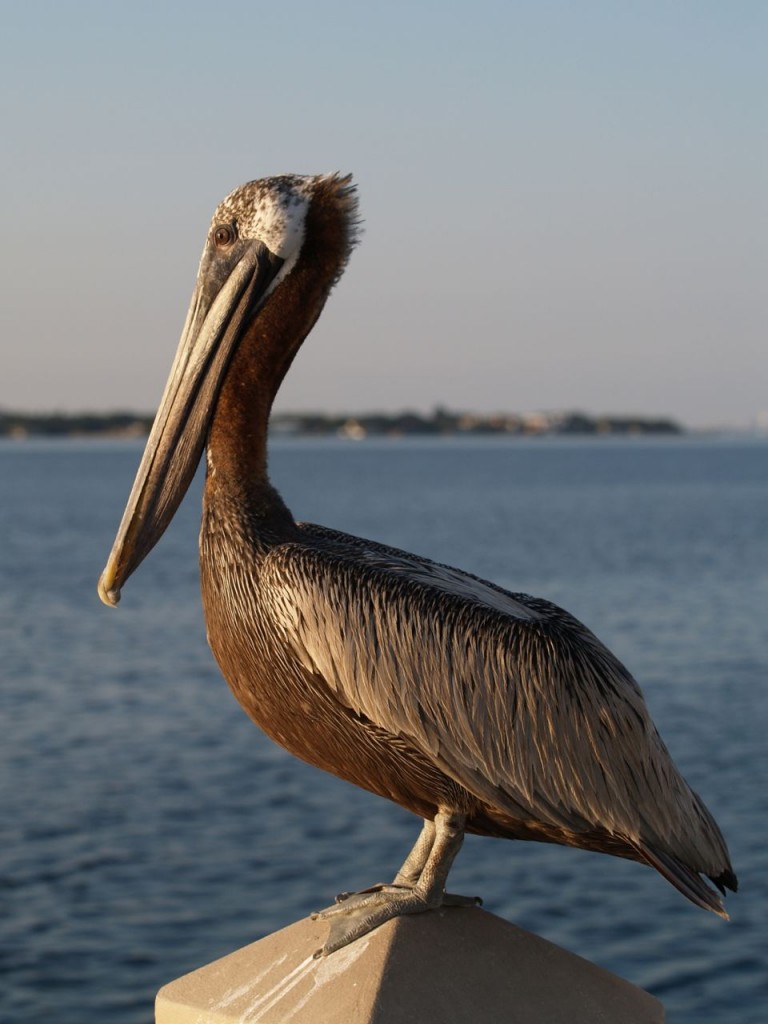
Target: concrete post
450,966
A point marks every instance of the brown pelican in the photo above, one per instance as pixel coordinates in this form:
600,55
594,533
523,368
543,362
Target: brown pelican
478,709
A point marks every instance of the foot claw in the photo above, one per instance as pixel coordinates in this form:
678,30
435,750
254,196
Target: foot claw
452,899
342,897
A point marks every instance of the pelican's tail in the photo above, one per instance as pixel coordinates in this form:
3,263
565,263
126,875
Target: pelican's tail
689,882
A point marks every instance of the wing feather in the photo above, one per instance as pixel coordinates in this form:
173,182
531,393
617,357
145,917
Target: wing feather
509,695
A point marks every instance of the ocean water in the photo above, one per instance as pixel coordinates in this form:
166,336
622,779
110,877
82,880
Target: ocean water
146,827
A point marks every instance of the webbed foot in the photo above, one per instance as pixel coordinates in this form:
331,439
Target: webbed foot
419,886
363,912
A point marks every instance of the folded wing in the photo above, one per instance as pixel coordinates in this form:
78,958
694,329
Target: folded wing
509,695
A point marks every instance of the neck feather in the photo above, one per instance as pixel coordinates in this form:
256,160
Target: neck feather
237,441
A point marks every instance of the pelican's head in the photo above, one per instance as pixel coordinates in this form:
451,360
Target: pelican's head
255,241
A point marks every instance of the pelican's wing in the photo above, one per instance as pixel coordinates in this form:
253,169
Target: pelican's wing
509,695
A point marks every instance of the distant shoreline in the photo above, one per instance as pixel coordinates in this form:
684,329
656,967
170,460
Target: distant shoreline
439,423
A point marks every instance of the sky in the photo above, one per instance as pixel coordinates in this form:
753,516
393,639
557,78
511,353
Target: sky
564,202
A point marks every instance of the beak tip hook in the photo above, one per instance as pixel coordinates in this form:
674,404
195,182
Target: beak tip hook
109,595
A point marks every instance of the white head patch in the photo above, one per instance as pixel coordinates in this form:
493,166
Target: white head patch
272,210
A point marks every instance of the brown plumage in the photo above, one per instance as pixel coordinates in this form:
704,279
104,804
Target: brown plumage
475,708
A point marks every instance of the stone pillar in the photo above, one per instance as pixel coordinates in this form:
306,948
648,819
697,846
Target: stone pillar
449,966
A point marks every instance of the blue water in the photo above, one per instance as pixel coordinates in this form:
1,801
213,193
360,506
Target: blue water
146,827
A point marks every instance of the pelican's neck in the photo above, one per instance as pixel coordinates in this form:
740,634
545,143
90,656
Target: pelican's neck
237,440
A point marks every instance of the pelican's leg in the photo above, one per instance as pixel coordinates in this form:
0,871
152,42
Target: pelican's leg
409,873
366,911
413,865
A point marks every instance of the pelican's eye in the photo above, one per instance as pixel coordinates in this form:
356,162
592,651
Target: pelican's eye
224,235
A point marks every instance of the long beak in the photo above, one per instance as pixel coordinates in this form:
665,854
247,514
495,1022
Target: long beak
217,318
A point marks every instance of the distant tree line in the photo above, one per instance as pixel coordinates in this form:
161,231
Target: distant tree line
443,422
121,424
439,422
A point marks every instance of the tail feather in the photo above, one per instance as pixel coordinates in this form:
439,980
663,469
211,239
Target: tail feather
727,880
689,882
